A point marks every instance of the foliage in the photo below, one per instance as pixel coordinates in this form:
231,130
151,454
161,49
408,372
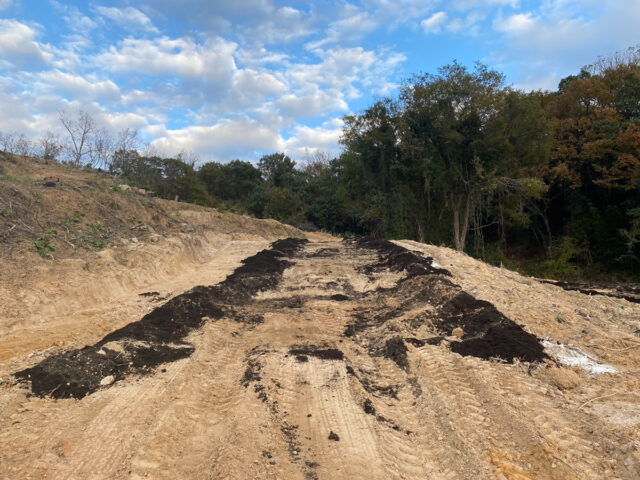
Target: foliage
44,245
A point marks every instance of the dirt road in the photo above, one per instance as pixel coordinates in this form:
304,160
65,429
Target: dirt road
325,360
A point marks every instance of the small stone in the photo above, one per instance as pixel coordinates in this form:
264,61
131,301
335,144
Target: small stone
334,436
134,240
553,465
1,381
457,332
107,381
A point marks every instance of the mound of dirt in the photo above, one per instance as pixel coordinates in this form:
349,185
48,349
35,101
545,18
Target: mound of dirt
487,332
159,336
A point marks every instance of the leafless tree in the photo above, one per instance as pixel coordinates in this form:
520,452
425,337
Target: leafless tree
7,141
101,148
127,139
50,146
22,146
80,129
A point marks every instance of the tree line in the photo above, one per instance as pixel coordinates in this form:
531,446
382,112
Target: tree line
548,182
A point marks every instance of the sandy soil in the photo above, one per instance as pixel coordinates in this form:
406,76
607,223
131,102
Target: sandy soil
296,396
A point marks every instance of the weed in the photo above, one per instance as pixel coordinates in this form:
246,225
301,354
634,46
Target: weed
115,188
6,213
98,244
44,245
66,222
176,217
52,232
13,179
96,227
559,319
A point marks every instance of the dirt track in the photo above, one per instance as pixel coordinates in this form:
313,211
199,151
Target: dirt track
342,366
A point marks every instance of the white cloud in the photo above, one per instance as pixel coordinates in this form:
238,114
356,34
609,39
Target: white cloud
4,4
306,141
229,138
434,23
129,18
18,45
184,57
519,22
560,37
78,87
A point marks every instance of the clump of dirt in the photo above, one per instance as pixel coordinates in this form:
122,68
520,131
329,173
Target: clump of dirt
368,407
334,436
487,332
338,297
159,336
317,352
395,349
397,259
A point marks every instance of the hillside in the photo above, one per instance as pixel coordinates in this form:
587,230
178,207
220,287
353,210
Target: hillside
199,344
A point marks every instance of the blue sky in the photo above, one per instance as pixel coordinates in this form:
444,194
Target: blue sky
227,79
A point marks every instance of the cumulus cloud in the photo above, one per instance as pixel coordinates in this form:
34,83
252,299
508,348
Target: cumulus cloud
129,18
212,60
306,141
560,37
434,23
18,45
78,87
229,138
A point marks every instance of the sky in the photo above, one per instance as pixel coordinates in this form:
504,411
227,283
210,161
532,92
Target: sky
240,79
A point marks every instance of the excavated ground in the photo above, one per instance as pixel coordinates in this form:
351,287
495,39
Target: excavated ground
325,360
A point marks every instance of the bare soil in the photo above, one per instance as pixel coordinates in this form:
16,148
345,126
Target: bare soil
235,355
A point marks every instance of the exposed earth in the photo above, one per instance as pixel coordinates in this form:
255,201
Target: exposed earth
258,355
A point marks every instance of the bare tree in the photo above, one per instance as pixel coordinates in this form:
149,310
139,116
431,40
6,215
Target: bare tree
22,146
50,146
101,149
7,141
127,139
80,130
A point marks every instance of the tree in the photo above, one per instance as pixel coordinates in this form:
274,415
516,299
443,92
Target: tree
50,146
454,117
80,129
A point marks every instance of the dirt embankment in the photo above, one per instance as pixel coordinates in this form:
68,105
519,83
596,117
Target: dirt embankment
335,360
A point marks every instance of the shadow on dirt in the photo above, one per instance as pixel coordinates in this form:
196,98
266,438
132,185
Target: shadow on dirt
159,336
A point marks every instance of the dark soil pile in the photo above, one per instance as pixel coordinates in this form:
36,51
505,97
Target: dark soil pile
397,259
317,352
487,333
629,292
159,336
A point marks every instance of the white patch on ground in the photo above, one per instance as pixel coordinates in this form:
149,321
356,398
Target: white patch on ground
574,357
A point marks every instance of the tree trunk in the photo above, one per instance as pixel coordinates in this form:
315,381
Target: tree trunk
461,225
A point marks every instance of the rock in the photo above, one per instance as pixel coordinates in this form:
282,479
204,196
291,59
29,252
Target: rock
101,352
107,381
124,187
134,240
1,381
457,332
334,436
